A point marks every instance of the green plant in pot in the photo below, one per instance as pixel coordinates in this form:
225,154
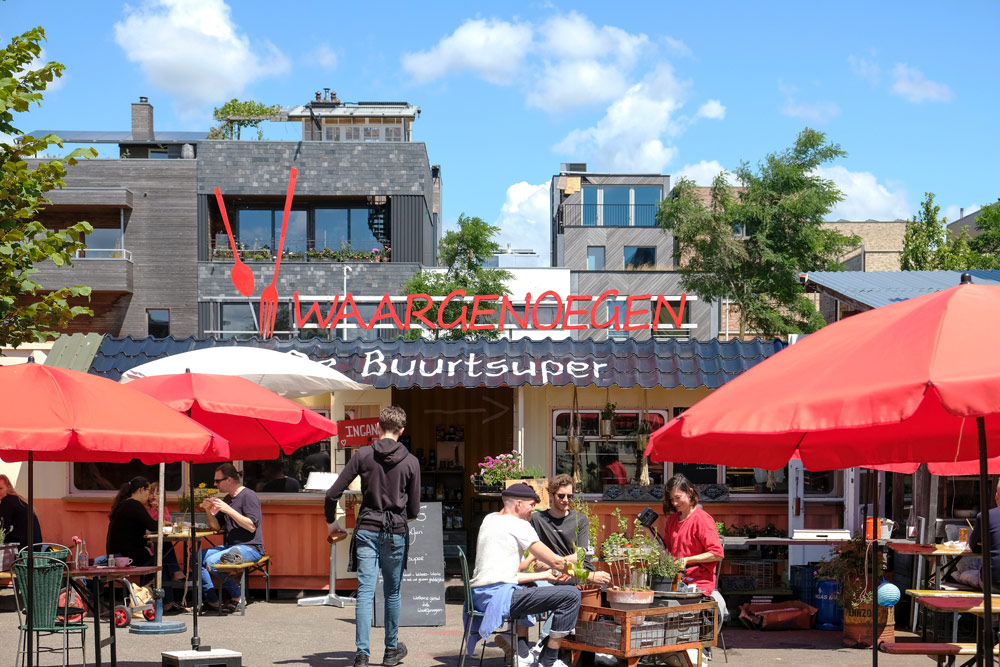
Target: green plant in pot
608,420
848,564
629,559
494,471
8,552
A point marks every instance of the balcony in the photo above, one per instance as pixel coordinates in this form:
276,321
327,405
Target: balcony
89,197
103,270
297,250
608,215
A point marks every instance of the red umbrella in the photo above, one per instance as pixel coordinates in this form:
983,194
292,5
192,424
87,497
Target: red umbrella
55,414
915,381
258,423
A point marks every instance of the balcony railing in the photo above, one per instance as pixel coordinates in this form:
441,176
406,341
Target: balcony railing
609,215
104,253
293,251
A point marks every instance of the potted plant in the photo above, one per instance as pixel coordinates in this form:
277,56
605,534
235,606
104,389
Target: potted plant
183,517
494,471
847,565
629,559
608,420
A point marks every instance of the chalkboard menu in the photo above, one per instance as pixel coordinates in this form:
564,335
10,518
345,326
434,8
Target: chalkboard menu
422,589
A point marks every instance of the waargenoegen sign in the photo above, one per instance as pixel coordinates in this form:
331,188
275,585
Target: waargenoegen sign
491,311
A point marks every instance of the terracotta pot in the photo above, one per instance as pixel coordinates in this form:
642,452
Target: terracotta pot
858,626
590,594
625,599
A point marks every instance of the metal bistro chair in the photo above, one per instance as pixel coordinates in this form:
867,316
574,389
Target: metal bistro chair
49,615
470,613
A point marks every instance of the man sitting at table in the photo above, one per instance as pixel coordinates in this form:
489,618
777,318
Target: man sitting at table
503,538
239,515
969,569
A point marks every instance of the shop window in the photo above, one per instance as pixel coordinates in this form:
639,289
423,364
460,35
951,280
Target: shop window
158,322
595,258
290,472
605,461
111,476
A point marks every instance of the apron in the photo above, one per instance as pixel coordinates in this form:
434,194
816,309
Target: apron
386,531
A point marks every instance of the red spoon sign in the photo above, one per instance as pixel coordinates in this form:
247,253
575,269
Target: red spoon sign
241,275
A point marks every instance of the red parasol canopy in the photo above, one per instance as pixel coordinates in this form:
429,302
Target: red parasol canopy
57,414
258,423
894,385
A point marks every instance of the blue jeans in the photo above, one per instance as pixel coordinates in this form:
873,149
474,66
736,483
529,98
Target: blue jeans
210,558
377,552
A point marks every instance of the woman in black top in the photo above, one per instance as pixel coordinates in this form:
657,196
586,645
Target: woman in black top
14,515
130,521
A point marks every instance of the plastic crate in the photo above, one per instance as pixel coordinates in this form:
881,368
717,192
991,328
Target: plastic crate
803,582
606,634
764,573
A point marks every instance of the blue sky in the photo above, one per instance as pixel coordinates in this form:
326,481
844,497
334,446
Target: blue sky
508,91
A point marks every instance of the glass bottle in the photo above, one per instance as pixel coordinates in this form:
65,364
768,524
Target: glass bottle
82,557
432,460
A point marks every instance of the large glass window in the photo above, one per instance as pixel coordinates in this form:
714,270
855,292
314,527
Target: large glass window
647,202
616,206
640,257
361,233
254,229
331,228
290,472
103,243
260,229
595,258
111,476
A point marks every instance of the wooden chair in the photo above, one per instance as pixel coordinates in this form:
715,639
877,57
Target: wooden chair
262,566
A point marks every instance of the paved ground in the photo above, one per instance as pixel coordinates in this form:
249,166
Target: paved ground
281,633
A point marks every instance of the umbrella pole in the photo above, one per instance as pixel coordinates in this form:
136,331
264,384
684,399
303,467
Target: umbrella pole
196,559
876,553
30,606
984,507
158,602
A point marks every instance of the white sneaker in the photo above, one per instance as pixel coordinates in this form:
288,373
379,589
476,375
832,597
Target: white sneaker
605,660
559,663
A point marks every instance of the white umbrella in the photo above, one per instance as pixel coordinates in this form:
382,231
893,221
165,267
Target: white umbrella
289,374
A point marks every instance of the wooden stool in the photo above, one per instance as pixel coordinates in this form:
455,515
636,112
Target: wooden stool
262,566
219,657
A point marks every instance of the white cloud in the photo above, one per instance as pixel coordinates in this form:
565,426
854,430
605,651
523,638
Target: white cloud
702,173
814,112
492,49
911,84
324,56
864,197
868,70
677,46
574,83
574,37
712,109
955,212
524,219
193,50
627,138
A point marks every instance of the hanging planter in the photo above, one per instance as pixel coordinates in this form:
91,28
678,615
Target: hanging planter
642,434
574,443
608,420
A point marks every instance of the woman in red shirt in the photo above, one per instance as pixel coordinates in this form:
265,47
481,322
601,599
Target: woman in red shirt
691,533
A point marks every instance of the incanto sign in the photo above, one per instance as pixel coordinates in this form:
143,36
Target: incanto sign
358,432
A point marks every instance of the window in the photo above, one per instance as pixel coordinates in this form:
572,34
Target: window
290,472
605,461
361,233
351,133
331,133
640,257
158,322
393,133
111,476
647,203
372,133
260,229
331,229
253,229
158,154
617,308
595,258
616,206
103,243
666,327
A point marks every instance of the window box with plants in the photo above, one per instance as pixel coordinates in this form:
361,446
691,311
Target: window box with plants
494,472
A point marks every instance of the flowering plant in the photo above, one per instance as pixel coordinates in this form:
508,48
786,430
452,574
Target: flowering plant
495,470
848,564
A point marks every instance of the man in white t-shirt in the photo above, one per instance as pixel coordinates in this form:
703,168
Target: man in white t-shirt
496,583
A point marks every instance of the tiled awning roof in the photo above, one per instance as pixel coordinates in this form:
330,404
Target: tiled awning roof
404,364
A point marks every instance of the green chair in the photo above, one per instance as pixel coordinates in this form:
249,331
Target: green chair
470,612
50,617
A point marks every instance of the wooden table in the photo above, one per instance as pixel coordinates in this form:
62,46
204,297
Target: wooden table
104,575
933,551
184,537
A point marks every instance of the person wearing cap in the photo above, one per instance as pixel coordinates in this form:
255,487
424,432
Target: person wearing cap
500,590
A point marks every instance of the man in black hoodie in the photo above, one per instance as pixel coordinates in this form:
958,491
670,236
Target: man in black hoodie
390,490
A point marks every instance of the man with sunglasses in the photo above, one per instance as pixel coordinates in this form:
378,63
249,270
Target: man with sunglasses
236,509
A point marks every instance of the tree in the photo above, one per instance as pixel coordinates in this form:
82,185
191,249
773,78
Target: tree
926,238
986,246
751,242
27,312
235,115
463,251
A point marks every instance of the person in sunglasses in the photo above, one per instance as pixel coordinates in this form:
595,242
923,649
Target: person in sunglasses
239,514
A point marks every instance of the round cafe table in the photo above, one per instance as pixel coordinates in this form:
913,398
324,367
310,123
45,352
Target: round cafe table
184,537
104,575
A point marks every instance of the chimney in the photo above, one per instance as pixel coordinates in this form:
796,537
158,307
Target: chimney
326,94
961,213
333,96
319,96
142,120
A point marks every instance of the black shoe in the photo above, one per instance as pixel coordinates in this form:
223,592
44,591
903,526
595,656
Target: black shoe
394,656
360,660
